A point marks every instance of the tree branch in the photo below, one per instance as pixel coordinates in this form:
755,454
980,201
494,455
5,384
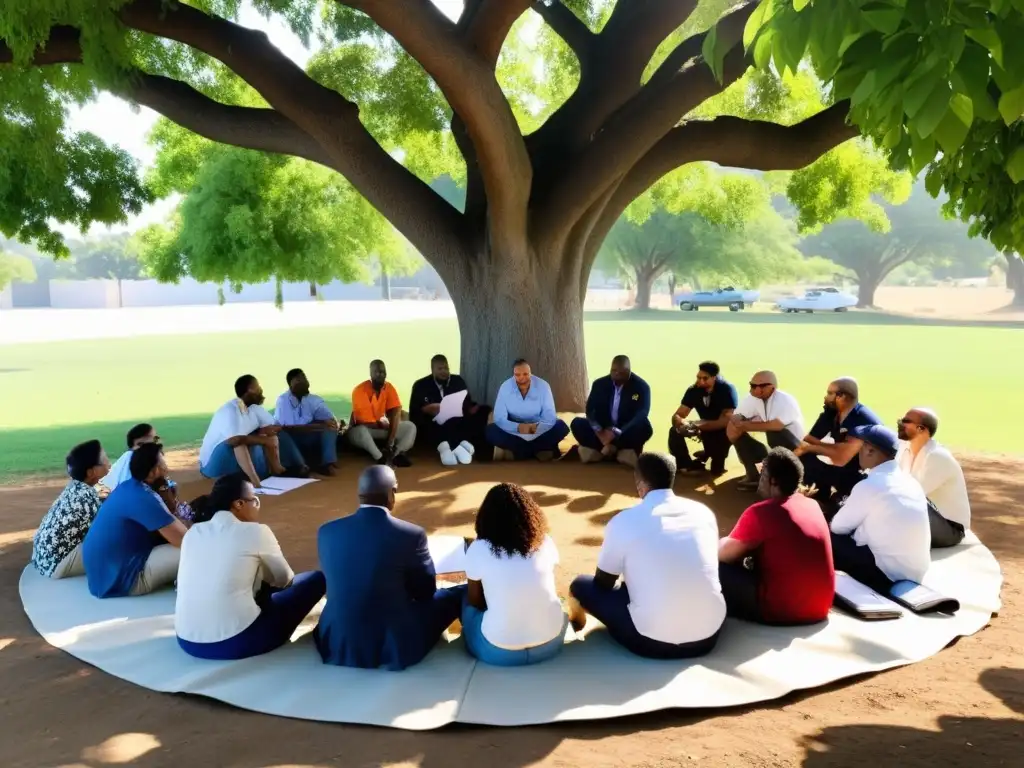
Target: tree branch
568,26
488,24
62,47
636,29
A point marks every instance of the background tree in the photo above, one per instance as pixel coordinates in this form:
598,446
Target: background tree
110,257
1015,277
14,267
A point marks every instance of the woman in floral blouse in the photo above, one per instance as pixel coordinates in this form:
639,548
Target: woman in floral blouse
57,547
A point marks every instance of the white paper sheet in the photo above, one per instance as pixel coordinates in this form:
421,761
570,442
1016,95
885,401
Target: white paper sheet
451,407
275,486
268,492
448,553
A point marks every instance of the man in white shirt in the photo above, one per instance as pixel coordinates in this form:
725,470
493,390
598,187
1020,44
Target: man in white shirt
769,410
670,604
243,437
881,535
939,474
138,435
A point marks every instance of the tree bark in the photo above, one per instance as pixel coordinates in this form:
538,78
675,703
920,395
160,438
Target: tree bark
867,284
644,285
1015,278
672,286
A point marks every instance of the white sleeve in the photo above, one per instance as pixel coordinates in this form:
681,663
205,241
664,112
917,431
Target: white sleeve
853,513
276,567
549,551
612,557
477,552
747,407
263,417
788,411
939,467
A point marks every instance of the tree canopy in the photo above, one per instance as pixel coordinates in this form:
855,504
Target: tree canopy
14,267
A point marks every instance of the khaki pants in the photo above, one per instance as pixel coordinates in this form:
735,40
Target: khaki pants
72,565
363,437
161,570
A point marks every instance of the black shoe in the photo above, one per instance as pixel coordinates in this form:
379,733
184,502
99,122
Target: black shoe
300,474
401,460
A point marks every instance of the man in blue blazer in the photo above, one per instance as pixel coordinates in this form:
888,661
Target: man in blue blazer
617,424
383,605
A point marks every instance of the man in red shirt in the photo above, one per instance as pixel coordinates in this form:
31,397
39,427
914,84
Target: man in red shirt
776,565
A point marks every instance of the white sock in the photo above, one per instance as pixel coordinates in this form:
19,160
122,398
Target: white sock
468,447
462,455
447,457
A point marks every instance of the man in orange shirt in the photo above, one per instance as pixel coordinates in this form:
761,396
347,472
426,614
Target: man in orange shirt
377,416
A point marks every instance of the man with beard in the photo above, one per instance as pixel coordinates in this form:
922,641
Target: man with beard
715,401
377,417
458,438
309,422
243,437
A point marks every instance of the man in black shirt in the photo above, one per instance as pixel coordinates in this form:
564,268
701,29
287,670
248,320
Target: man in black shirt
458,438
714,399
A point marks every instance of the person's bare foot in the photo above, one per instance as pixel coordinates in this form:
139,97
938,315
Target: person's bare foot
546,456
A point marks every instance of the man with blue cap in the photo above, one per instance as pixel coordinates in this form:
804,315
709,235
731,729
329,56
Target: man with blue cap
881,534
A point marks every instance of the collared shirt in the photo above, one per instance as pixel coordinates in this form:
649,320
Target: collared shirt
887,512
290,411
119,471
537,406
666,550
780,405
232,419
370,406
223,563
828,424
941,477
64,526
709,405
616,400
427,391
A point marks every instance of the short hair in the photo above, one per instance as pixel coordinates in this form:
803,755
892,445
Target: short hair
847,385
929,420
520,361
657,470
82,458
144,459
438,359
710,368
139,430
225,492
293,374
510,521
376,483
621,360
242,384
785,469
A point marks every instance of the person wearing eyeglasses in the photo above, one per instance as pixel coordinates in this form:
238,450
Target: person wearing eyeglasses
237,595
938,472
138,435
715,400
770,411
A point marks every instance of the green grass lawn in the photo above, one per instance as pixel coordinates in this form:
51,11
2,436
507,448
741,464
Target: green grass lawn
57,394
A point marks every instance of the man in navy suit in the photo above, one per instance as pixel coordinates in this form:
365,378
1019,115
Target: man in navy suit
617,424
383,605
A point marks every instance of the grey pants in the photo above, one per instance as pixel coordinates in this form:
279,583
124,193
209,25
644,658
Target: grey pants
161,570
364,438
72,565
752,451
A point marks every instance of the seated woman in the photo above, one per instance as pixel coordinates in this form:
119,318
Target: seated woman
792,580
512,615
237,595
57,546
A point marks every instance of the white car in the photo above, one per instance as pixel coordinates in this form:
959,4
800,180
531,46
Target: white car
818,300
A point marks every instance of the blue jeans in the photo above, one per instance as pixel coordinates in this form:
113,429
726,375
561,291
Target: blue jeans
611,608
223,462
317,448
281,614
527,449
480,648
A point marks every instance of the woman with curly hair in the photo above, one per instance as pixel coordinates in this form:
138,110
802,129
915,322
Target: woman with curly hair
512,615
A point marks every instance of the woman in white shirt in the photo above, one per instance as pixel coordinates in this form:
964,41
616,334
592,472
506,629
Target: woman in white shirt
237,595
512,615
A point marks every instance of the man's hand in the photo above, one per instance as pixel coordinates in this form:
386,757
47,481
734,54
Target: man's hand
533,429
700,425
474,410
272,429
382,423
801,449
432,410
524,429
331,425
608,450
102,491
808,490
605,436
677,422
170,498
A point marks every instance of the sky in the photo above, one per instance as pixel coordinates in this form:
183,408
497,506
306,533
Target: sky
117,122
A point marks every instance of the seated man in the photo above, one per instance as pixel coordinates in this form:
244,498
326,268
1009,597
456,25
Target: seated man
383,605
122,551
377,415
309,422
792,580
670,605
881,534
939,474
138,435
242,437
526,425
715,400
769,410
459,437
616,425
842,414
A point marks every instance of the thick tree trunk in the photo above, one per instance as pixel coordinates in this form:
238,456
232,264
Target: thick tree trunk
867,284
671,286
644,285
1015,278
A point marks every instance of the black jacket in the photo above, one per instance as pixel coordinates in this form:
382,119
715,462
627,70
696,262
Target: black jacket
427,392
634,403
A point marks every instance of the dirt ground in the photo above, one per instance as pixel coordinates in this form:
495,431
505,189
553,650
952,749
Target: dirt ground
962,707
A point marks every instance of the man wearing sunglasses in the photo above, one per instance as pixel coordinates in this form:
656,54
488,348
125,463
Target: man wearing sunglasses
769,410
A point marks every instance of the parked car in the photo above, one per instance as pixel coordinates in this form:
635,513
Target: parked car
723,297
818,300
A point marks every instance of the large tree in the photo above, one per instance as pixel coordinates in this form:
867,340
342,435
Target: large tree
14,267
1015,277
538,206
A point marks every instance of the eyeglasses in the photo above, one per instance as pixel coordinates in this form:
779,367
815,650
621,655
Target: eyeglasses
755,385
255,501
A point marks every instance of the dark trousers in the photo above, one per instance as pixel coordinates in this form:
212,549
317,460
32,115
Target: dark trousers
318,448
740,590
945,533
432,618
633,439
832,481
752,451
527,449
858,562
611,608
472,428
716,446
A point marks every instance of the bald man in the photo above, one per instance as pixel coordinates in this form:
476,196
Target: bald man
832,438
383,605
769,411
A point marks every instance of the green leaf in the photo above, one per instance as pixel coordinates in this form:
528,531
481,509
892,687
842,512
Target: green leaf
1011,105
799,5
865,90
934,109
963,108
710,52
763,48
984,107
885,19
974,69
989,38
757,20
849,40
1015,165
919,88
951,131
922,152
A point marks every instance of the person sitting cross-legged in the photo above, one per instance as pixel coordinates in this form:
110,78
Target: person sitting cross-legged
881,534
309,422
512,615
526,425
670,605
940,476
769,410
243,437
785,539
377,416
616,425
715,400
456,440
138,435
237,595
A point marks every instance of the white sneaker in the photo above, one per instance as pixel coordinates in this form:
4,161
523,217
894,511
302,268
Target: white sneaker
462,455
467,447
447,457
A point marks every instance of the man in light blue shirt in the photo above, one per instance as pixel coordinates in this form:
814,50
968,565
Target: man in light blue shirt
526,425
309,422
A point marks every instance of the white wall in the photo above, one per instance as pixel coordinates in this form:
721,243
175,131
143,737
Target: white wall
6,300
83,294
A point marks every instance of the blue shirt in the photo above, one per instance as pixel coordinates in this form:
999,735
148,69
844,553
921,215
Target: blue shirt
828,424
511,408
292,412
121,537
